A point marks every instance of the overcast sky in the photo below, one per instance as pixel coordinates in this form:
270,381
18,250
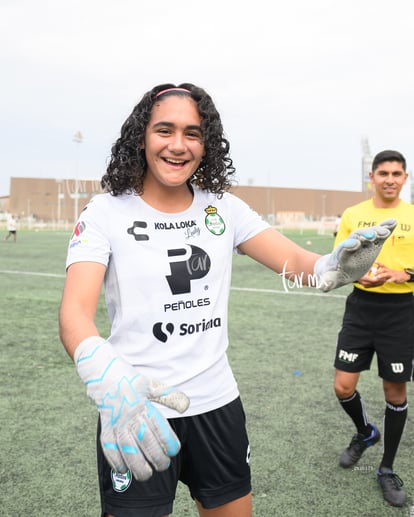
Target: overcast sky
298,83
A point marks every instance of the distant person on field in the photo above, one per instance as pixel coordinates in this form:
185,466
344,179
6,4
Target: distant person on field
161,240
379,319
337,223
11,228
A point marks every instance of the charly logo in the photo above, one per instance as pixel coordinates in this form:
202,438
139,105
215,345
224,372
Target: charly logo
213,221
121,482
135,231
162,331
187,263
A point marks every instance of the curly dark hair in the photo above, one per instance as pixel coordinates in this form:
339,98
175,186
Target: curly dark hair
127,165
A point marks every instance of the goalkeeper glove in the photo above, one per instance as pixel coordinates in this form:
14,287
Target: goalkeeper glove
134,434
353,257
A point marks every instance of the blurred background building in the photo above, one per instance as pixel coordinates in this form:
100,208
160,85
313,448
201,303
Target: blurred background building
57,203
40,202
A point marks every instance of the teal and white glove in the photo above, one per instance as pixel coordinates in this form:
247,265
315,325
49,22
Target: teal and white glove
353,257
134,434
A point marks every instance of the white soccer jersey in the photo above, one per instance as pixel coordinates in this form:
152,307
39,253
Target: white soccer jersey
167,286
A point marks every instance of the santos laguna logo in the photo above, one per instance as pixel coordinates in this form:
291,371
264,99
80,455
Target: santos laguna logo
162,331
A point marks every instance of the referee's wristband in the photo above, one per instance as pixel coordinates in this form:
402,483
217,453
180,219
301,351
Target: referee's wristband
411,273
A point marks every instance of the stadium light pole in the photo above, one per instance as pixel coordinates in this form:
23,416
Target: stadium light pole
59,199
78,139
323,206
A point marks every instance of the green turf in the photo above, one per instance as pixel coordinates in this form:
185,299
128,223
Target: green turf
281,350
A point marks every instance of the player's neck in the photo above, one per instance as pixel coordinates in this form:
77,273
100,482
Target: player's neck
385,203
169,200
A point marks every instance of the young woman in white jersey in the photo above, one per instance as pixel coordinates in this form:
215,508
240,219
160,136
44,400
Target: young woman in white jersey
161,240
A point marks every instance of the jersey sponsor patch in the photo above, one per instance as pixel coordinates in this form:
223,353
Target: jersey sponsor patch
76,239
187,263
176,225
162,331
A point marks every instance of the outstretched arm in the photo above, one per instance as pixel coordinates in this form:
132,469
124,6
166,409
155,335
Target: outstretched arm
277,252
348,262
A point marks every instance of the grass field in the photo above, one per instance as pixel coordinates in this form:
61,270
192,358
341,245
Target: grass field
282,347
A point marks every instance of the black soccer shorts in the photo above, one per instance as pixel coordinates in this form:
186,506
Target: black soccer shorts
381,324
213,462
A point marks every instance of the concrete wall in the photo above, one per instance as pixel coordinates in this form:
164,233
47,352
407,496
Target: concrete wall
50,199
56,200
314,204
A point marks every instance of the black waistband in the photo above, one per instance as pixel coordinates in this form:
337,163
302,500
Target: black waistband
390,297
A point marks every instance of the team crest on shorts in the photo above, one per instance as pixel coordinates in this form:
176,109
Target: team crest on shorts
214,222
121,482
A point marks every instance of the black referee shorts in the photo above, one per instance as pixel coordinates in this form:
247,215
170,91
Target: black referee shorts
382,324
213,462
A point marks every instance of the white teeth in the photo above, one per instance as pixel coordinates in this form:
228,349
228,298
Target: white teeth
175,162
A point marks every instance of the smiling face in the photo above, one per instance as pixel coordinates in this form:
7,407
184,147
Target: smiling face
388,179
173,142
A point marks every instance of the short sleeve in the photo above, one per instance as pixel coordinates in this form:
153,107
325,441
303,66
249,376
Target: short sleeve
90,238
